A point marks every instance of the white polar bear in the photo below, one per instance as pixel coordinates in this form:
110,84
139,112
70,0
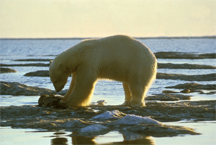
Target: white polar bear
119,58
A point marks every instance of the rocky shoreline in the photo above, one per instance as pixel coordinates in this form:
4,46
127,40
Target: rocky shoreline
111,118
96,120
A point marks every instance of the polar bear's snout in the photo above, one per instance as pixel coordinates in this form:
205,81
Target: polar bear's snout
58,87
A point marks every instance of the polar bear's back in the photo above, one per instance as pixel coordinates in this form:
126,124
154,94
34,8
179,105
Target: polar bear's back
119,57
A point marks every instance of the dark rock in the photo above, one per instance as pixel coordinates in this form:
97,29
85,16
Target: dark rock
32,60
184,55
194,86
185,91
40,73
169,91
15,88
162,130
7,70
207,77
175,55
208,55
28,64
168,97
184,66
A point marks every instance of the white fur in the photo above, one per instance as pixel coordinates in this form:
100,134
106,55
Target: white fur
119,58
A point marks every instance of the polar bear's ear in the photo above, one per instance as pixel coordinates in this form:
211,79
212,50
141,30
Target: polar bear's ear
51,61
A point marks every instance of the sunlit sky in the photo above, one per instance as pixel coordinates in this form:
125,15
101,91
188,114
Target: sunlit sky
98,18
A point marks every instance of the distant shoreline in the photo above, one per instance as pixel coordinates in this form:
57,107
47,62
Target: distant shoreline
80,38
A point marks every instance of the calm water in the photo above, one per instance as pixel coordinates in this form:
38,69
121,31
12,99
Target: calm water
111,91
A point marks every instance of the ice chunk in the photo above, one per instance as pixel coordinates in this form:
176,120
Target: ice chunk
92,129
101,102
109,115
131,119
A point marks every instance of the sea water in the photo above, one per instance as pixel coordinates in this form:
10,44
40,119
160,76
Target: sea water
110,91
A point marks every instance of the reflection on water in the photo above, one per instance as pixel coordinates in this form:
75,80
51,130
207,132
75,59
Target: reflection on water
109,138
59,141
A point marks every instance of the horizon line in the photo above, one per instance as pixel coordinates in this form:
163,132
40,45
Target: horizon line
153,37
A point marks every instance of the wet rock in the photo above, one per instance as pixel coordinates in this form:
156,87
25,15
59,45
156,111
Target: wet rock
184,55
76,123
208,55
212,92
185,91
40,73
168,97
207,77
175,55
162,130
194,86
16,89
28,64
7,70
169,91
184,66
32,60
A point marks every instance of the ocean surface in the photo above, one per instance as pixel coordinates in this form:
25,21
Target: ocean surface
110,91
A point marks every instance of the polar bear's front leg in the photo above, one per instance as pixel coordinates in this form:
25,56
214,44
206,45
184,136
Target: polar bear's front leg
82,90
72,84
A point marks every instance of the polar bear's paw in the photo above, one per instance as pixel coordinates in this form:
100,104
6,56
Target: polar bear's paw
137,104
134,104
62,104
126,103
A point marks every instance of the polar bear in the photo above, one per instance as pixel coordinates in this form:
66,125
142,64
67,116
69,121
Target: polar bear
118,57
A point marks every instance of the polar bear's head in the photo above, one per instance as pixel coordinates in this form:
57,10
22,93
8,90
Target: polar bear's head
58,75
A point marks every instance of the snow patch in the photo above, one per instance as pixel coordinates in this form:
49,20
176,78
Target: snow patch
109,115
131,119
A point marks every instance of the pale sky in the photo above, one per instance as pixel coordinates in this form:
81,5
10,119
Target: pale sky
98,18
